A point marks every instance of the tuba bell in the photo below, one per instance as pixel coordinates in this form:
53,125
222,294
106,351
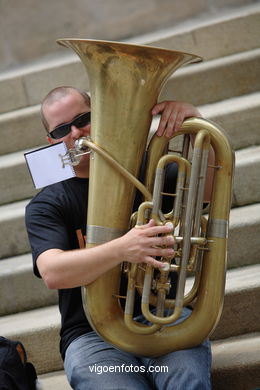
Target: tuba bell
125,82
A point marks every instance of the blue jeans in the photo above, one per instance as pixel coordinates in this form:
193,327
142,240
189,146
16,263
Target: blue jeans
91,363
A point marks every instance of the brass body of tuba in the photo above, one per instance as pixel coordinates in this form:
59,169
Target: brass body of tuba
125,82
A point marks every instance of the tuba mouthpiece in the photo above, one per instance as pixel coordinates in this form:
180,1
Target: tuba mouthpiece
73,155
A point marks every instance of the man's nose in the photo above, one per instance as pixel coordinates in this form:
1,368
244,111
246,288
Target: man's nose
76,132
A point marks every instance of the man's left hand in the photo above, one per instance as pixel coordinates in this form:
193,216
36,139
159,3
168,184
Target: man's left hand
172,116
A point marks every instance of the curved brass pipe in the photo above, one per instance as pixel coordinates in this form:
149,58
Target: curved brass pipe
86,142
125,82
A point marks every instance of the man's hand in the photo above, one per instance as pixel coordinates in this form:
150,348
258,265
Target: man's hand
172,116
142,244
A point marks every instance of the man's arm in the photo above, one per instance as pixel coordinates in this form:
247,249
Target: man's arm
67,269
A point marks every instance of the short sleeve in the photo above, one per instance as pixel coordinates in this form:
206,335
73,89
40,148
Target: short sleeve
46,227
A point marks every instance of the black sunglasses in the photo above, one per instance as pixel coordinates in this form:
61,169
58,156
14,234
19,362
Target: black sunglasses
63,130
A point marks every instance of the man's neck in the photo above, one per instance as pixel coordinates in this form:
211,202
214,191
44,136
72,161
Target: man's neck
82,172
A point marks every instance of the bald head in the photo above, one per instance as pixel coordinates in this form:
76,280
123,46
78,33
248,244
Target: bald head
57,94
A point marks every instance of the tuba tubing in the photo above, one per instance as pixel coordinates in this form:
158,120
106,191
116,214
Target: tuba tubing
125,82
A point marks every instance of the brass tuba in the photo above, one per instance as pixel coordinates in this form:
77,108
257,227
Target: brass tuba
125,82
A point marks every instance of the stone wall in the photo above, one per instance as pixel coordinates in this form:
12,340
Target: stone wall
29,28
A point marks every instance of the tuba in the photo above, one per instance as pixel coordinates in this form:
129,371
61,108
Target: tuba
125,82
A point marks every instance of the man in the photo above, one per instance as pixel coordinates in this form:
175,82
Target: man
55,222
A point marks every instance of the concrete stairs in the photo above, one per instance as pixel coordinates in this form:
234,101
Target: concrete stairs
226,89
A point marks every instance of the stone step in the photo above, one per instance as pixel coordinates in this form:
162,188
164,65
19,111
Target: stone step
244,233
212,80
13,235
236,363
15,179
39,328
119,19
54,381
21,129
213,37
20,289
27,86
215,80
242,295
13,170
247,178
239,117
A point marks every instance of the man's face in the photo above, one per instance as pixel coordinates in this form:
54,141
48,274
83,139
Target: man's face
64,111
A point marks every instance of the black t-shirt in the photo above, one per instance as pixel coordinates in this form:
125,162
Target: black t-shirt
56,218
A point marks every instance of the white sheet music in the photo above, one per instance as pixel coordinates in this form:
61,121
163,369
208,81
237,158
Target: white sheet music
45,165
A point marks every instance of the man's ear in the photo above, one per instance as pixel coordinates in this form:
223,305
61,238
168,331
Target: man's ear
50,140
